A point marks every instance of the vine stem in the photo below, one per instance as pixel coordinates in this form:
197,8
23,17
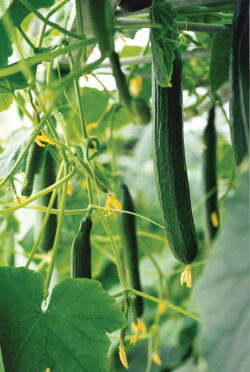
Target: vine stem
46,56
28,5
166,303
115,249
51,202
52,11
56,241
39,194
182,26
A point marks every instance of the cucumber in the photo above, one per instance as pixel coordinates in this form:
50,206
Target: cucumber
210,178
239,81
46,179
33,165
170,166
102,23
137,108
81,251
134,5
130,247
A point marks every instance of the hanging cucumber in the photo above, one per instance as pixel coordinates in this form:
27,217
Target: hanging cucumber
46,179
130,247
81,251
33,166
137,108
102,22
239,80
170,166
211,213
134,5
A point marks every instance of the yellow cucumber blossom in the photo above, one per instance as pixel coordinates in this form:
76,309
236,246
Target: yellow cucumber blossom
135,85
111,200
84,184
91,126
142,326
69,189
162,308
214,219
137,329
186,277
21,199
42,138
156,358
123,356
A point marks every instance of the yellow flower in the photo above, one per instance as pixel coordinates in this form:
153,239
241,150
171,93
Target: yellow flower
135,85
42,138
142,326
186,277
136,337
84,184
69,189
156,358
111,200
214,219
21,199
123,356
162,308
86,77
91,126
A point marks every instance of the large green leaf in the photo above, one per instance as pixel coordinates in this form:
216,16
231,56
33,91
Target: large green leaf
69,336
163,40
223,290
220,57
6,95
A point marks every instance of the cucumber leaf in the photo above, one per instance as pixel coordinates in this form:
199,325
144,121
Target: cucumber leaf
69,335
16,144
220,57
164,40
223,290
16,14
6,95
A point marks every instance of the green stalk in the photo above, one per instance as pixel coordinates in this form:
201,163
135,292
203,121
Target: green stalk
25,37
47,22
115,249
166,303
46,56
39,194
79,17
52,11
56,241
46,217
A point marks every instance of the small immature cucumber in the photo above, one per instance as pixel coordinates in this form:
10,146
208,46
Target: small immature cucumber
102,22
46,179
130,247
81,251
134,5
239,80
211,213
170,166
33,165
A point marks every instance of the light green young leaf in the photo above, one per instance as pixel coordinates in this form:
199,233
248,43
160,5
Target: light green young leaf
220,57
164,40
4,5
16,12
69,336
6,95
223,290
16,143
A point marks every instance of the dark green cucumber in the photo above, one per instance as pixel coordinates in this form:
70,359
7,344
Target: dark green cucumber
134,5
81,251
210,178
33,166
46,179
102,22
170,166
239,81
130,247
137,108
